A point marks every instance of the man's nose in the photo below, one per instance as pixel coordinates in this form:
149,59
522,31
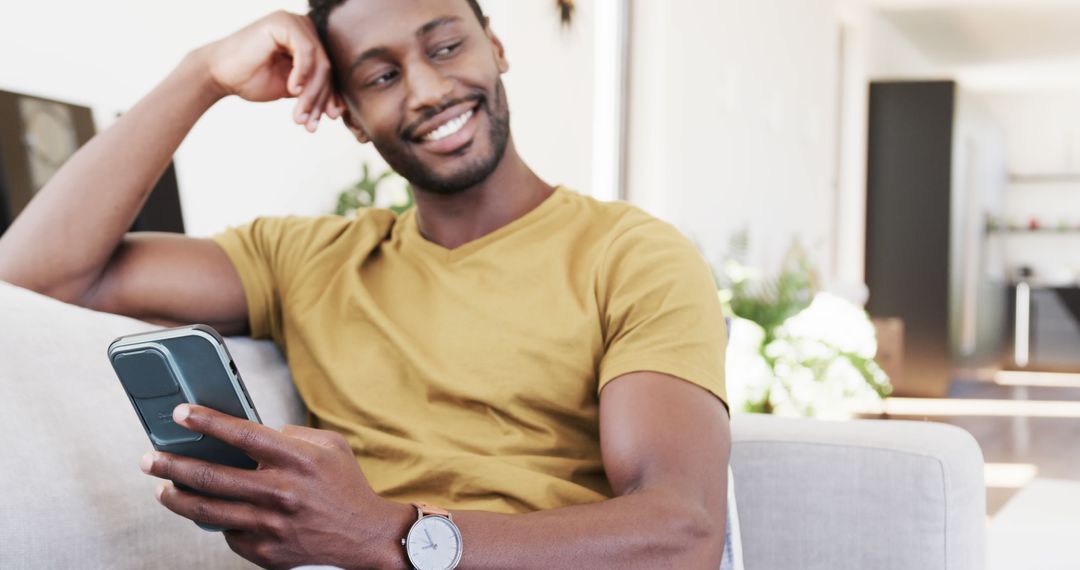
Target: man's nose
428,87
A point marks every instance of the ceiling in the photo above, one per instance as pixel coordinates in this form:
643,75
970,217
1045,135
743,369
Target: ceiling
1003,41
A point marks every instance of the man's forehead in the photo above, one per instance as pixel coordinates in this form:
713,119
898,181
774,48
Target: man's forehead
367,21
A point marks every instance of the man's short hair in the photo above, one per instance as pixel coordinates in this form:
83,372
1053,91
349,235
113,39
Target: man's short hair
319,12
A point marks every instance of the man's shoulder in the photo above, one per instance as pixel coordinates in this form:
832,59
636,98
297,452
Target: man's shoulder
292,243
323,230
616,220
631,240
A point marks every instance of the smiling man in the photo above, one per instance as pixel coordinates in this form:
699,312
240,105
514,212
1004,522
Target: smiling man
545,368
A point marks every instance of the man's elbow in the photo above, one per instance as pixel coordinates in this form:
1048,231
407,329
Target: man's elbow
695,534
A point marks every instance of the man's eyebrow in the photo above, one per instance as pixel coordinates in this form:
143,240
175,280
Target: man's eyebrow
436,23
369,54
378,52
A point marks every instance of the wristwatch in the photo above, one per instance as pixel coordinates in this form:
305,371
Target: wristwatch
433,541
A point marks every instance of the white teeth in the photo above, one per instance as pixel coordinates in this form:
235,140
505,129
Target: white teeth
452,126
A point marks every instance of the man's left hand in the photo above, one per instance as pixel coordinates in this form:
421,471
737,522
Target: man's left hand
306,503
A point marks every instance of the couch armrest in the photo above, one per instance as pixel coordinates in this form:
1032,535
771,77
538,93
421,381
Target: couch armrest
861,494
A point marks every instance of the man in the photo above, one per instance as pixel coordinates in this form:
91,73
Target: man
545,366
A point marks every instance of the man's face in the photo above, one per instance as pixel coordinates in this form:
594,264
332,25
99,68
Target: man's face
422,83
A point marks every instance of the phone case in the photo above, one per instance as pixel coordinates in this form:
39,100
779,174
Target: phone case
162,369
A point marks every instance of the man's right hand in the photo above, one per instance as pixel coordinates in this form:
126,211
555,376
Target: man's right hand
276,57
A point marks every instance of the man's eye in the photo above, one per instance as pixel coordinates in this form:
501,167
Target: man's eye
446,50
384,78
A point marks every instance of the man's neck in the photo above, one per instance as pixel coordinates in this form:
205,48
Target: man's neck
510,192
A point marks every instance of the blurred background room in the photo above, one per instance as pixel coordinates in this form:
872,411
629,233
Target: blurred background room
888,190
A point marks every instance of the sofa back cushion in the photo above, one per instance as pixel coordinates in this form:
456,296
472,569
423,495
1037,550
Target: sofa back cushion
71,492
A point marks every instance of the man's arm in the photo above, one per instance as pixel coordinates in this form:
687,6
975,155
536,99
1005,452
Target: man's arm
70,241
665,445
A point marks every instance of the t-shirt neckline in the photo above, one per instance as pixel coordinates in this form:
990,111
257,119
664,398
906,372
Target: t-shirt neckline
411,230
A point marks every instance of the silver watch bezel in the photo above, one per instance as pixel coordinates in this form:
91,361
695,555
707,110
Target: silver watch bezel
416,524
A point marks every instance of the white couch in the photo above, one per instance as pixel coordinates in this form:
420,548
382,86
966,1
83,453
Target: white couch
813,495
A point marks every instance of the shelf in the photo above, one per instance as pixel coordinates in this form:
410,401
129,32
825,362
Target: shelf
1050,231
1068,291
1044,178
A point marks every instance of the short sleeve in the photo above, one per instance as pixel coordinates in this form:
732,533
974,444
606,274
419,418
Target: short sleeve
660,309
268,255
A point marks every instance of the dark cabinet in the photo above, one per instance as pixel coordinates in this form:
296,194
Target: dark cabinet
925,233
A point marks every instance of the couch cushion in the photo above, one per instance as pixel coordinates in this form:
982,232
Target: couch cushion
71,492
860,494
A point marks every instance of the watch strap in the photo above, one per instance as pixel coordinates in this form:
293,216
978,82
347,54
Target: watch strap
425,509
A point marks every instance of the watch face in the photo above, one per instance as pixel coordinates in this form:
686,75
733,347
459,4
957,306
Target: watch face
434,543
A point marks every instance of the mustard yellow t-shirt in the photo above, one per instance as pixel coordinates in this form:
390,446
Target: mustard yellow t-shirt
470,377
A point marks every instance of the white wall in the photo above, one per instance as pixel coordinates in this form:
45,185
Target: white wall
733,122
978,298
550,86
244,160
892,55
1042,131
873,49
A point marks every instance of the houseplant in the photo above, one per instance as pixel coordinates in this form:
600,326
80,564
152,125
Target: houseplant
795,350
386,190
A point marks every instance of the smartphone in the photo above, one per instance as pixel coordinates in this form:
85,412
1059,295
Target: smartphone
162,369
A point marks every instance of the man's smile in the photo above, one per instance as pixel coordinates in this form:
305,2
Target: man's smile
450,130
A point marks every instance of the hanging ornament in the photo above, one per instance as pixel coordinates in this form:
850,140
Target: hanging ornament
566,11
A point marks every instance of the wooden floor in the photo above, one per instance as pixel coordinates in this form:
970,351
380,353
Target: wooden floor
1013,445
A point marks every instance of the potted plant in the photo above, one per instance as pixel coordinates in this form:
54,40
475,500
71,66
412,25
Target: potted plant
795,350
387,189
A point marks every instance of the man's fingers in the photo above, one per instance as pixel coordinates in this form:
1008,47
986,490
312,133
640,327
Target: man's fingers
317,111
310,71
313,92
221,480
304,64
260,442
333,106
300,116
209,511
304,51
308,101
297,76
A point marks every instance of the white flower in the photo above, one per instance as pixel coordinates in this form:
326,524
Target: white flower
747,375
835,321
392,192
810,375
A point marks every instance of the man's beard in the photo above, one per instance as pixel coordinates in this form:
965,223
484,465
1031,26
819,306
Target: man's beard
404,161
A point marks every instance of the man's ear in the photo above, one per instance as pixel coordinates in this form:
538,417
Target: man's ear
354,126
500,51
